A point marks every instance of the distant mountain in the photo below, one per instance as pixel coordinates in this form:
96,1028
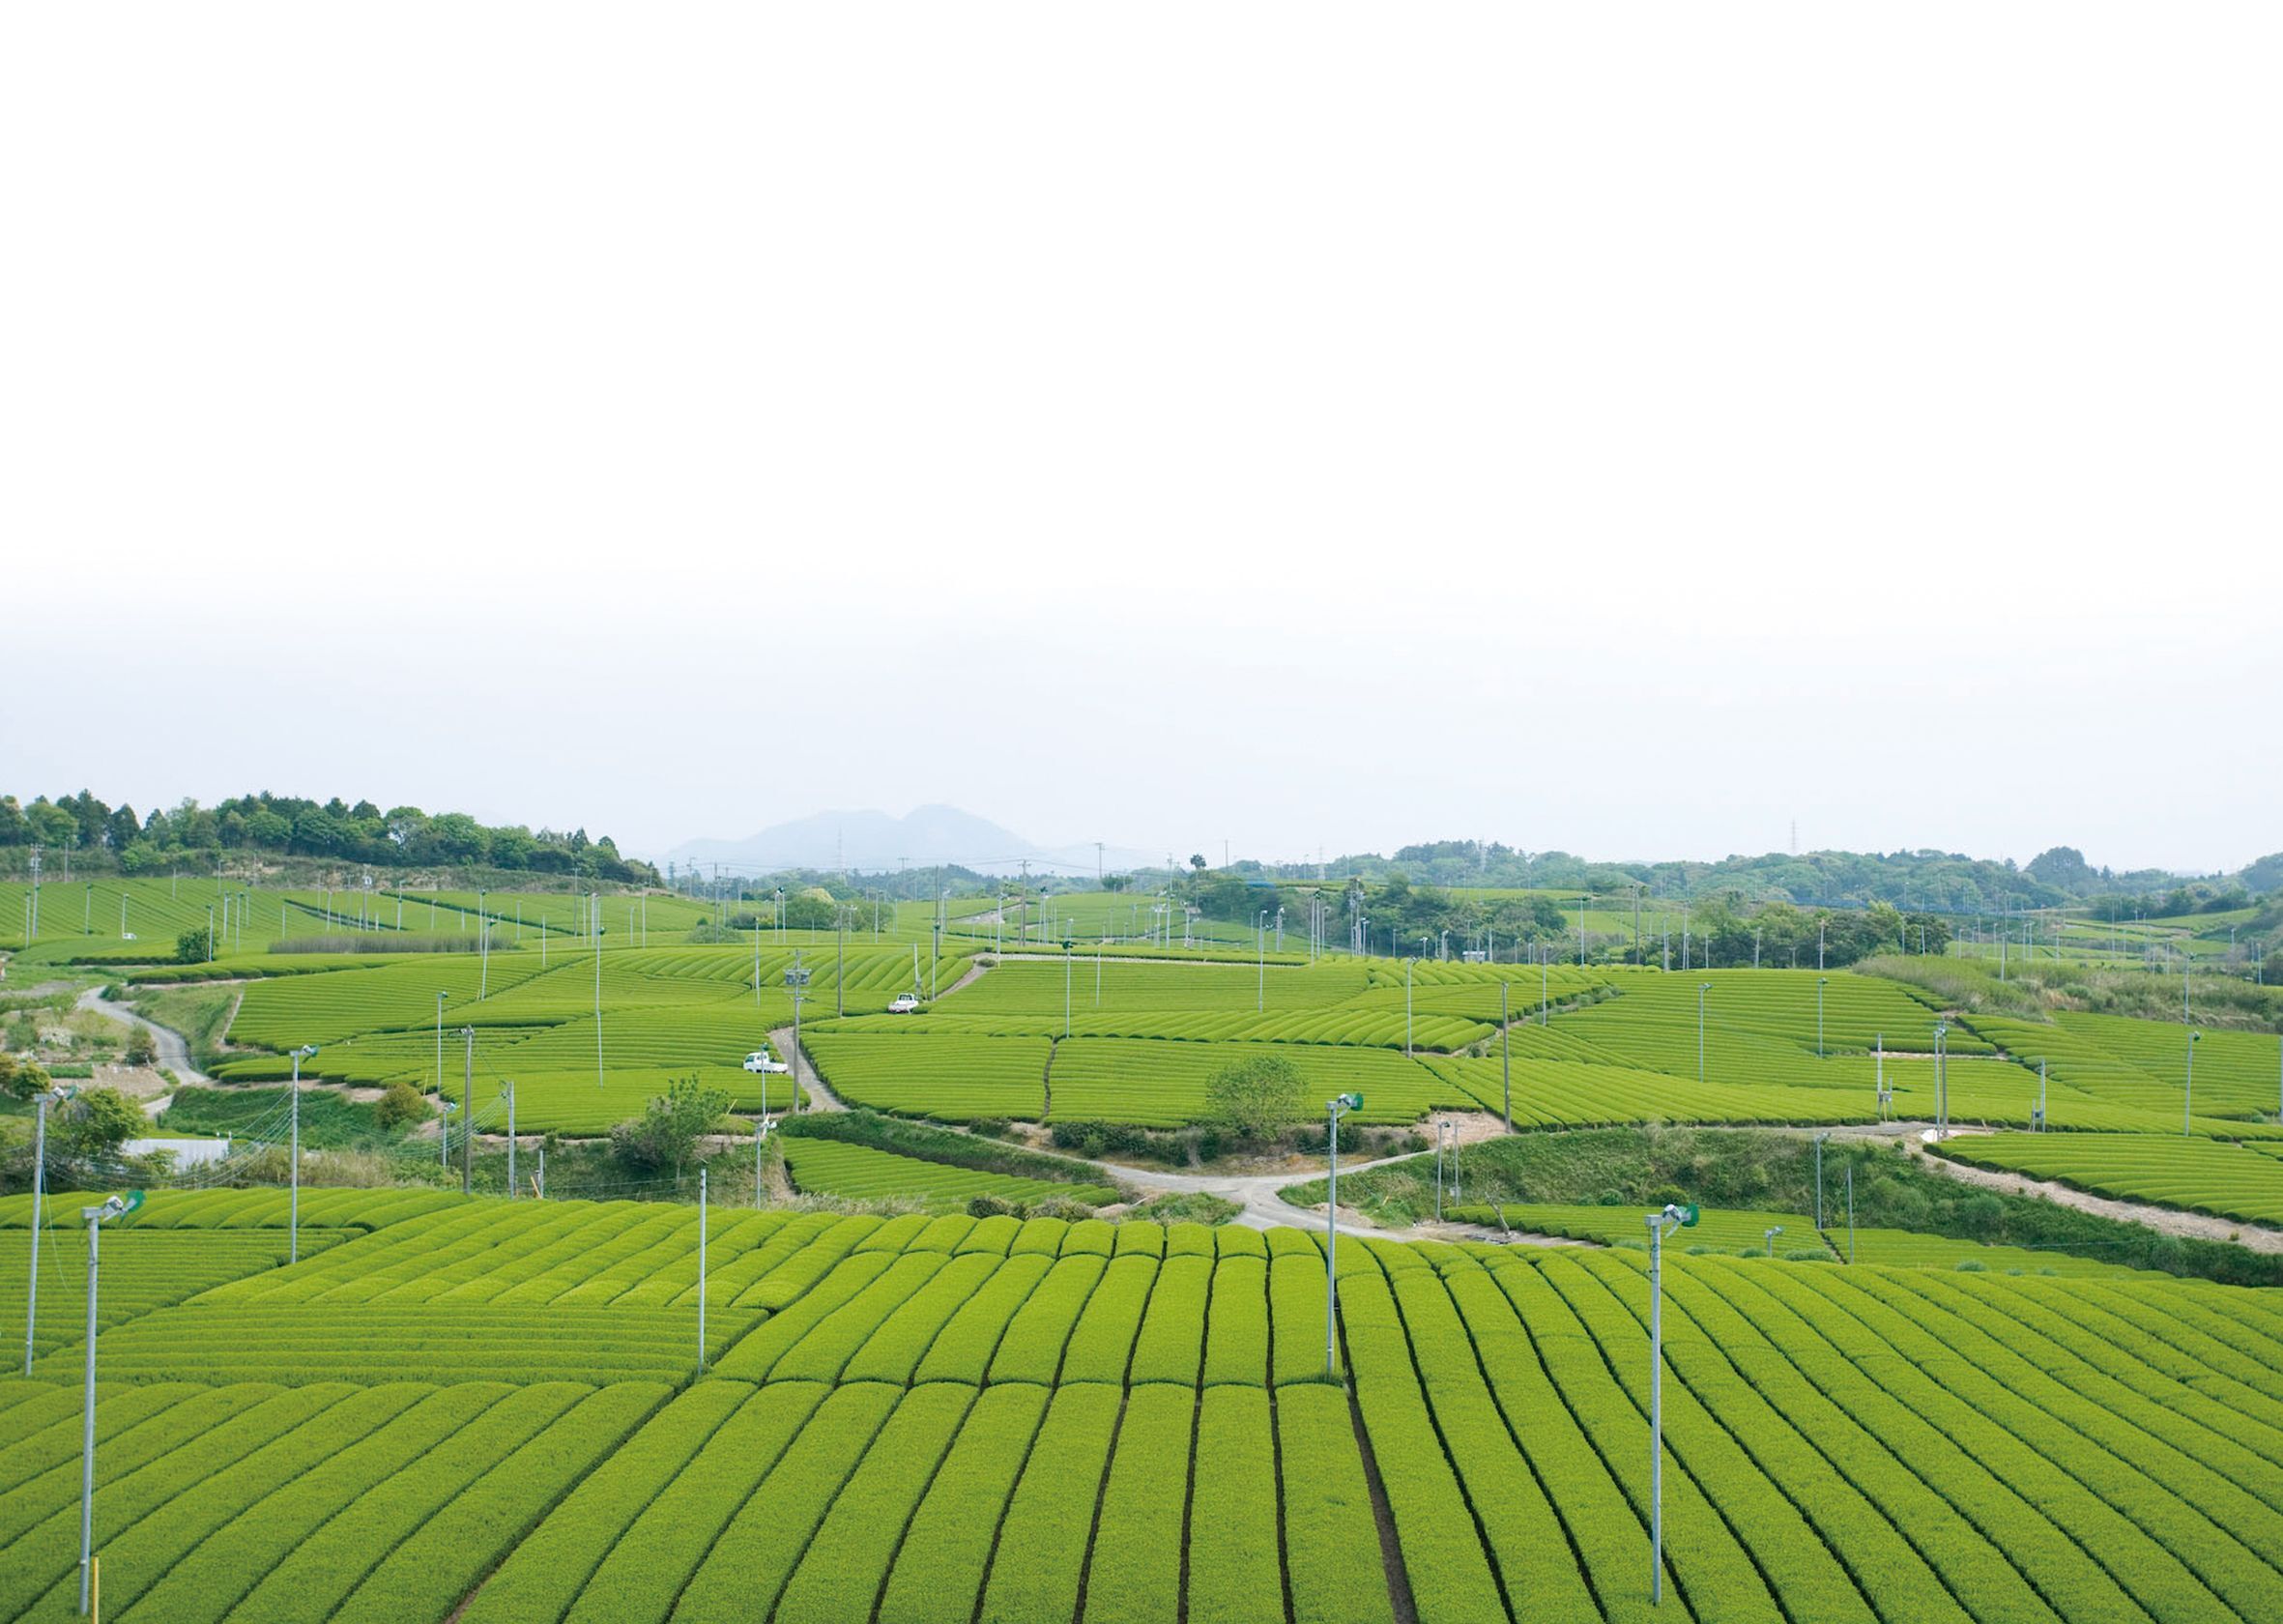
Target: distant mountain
875,841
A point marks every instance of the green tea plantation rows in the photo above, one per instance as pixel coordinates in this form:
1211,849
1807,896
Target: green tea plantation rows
948,1418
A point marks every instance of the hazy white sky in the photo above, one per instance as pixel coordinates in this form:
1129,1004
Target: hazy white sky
1624,429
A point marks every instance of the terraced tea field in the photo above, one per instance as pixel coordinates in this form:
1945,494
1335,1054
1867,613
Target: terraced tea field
495,1412
2199,1175
858,1173
1589,1046
1717,1229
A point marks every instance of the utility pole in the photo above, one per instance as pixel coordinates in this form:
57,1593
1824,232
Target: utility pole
1819,1138
96,1217
1942,1093
701,1268
468,1115
796,978
1442,1132
1341,1105
594,922
1506,1055
293,1244
1671,1218
54,1096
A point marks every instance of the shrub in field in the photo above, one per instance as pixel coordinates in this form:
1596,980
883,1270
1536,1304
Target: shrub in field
400,1103
664,1137
929,1143
1062,1206
1257,1096
20,1078
1186,1206
94,1125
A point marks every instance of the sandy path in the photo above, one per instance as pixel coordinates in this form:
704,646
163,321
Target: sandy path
2165,1220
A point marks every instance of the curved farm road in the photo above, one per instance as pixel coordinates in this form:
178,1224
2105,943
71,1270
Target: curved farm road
1256,1194
174,1055
821,1098
2165,1220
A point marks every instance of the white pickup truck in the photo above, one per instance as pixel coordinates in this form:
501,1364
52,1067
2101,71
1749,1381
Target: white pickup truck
762,1061
904,1003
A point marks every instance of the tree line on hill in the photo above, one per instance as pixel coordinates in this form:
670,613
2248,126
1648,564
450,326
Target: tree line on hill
106,837
1925,881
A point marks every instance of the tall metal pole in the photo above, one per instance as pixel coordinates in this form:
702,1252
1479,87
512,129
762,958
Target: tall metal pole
2187,1102
1332,1230
1819,984
1941,1082
1819,1138
701,1268
1066,987
1505,1056
595,921
468,1115
1851,1210
95,1220
1656,1408
510,1086
798,995
293,1221
47,1098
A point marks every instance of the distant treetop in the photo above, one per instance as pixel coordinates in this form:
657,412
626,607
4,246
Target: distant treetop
290,825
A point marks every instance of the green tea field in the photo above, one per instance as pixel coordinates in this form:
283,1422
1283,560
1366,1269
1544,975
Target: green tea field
506,1413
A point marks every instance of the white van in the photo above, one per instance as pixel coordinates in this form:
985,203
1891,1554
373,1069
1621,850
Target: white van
762,1061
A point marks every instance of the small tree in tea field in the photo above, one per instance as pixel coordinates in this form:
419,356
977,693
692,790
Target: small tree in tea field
665,1136
1257,1097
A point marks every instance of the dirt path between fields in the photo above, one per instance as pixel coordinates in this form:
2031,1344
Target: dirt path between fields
174,1053
975,971
2164,1220
820,1097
